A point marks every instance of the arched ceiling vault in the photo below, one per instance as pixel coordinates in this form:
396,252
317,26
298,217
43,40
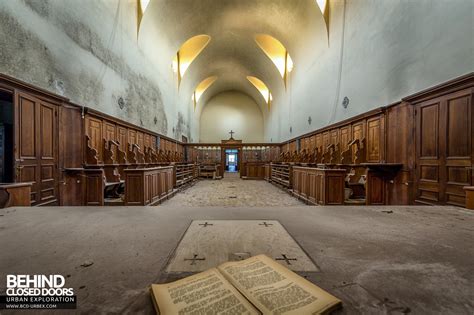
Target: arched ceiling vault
232,54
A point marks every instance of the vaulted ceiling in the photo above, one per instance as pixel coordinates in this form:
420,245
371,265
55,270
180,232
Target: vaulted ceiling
233,53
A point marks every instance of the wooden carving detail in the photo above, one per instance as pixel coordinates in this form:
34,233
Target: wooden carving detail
131,154
109,152
335,154
359,156
121,156
346,155
91,153
139,154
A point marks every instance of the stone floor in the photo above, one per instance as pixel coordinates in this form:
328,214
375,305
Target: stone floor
231,191
377,260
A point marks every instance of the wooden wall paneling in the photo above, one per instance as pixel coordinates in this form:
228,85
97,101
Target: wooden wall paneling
318,139
94,129
459,149
325,140
140,141
357,133
429,188
36,147
399,148
122,137
132,136
375,188
70,148
147,141
345,133
48,141
444,151
374,139
334,136
94,187
26,152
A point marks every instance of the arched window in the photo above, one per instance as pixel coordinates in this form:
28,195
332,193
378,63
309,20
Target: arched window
201,88
263,89
187,53
277,53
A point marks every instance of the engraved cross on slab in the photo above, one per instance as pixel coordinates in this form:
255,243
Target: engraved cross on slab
265,223
205,224
286,259
194,259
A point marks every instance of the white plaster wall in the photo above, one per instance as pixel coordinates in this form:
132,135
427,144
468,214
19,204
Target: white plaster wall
88,51
391,49
231,111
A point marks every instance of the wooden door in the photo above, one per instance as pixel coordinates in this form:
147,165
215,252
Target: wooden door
36,148
444,152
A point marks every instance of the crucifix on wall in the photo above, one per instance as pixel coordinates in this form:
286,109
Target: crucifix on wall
231,134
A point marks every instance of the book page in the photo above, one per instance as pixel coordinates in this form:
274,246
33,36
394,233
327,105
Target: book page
207,292
274,289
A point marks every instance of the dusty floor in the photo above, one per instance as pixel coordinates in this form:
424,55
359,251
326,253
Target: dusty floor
378,260
231,191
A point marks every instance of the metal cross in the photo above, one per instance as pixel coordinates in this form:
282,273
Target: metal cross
231,133
205,224
286,259
194,259
265,223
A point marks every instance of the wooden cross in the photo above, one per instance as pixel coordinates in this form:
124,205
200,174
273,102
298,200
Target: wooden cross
231,133
286,259
194,259
205,224
265,223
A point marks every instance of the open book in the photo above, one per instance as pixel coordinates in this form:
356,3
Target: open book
257,285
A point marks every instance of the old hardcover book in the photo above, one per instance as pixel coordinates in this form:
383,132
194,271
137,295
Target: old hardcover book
257,285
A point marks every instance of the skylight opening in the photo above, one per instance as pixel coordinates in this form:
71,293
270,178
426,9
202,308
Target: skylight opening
187,53
263,89
277,53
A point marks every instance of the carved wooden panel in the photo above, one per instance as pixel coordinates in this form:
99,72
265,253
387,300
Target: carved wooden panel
325,140
318,139
345,137
94,129
94,189
334,136
357,133
140,140
147,141
374,140
122,137
132,136
109,131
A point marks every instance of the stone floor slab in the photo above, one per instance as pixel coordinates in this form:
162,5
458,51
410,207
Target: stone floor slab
207,244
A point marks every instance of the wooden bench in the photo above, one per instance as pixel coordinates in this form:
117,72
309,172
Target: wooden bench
15,195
